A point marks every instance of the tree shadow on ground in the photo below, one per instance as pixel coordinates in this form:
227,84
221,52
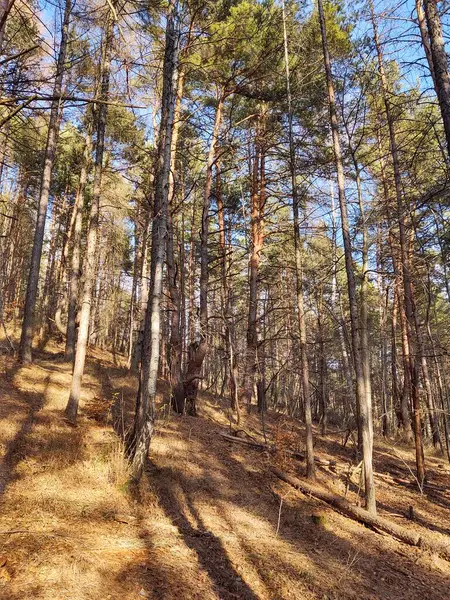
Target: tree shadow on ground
30,403
329,563
211,554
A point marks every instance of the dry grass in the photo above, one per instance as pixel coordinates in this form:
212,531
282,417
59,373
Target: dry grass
208,521
66,490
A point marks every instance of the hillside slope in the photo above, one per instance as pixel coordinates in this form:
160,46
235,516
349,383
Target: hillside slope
209,520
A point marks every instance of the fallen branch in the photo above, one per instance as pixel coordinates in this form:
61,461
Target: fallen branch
236,433
359,514
233,438
30,532
298,455
323,462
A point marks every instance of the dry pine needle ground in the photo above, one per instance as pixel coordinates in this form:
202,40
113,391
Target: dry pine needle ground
209,521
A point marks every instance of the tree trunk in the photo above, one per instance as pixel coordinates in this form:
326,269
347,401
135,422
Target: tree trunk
440,64
334,298
257,240
310,466
407,536
406,276
323,388
144,289
198,348
75,261
422,23
383,303
134,287
364,300
26,339
175,348
90,262
139,442
228,327
402,410
49,272
365,410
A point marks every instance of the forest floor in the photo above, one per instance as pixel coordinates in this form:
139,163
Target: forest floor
209,521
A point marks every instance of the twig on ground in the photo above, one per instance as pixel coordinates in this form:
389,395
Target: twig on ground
279,511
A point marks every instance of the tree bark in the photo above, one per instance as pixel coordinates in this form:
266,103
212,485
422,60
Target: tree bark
175,348
75,261
26,340
134,286
405,261
198,348
228,326
90,262
144,290
310,466
139,442
5,9
440,64
422,23
364,291
365,410
257,241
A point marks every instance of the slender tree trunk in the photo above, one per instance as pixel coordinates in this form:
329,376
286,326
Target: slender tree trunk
439,69
257,241
90,262
198,348
364,292
395,387
144,289
75,261
323,388
383,303
406,276
334,300
192,274
403,410
26,339
385,398
310,466
134,288
49,272
430,401
228,328
175,348
365,410
63,268
145,404
426,376
422,23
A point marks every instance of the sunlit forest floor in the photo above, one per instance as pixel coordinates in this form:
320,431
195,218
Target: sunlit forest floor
209,520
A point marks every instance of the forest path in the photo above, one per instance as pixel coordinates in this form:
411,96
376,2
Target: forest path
203,525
